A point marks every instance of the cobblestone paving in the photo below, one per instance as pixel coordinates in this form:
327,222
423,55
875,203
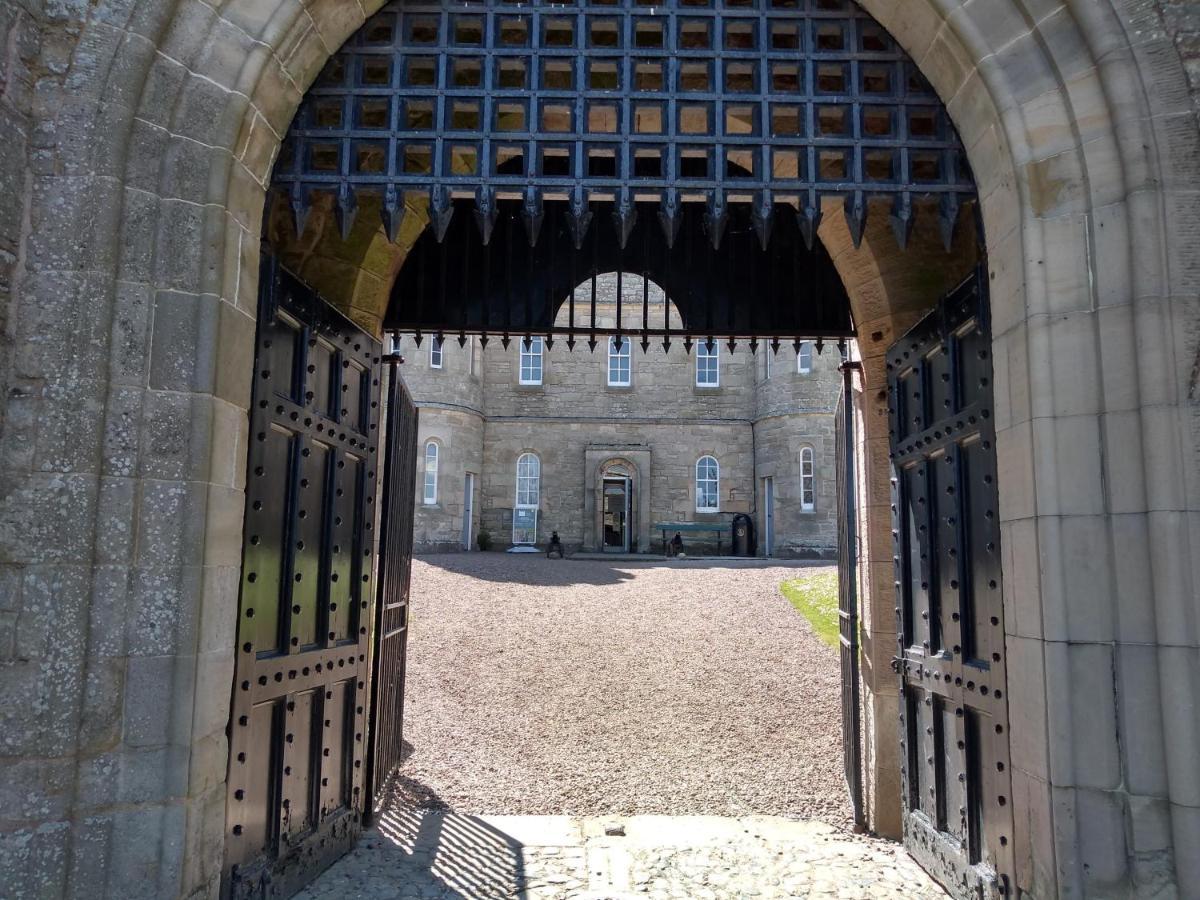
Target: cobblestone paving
437,855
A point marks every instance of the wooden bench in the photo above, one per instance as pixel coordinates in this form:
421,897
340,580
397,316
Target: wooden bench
718,528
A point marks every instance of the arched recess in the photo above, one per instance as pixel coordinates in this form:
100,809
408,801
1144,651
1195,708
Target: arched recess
1078,124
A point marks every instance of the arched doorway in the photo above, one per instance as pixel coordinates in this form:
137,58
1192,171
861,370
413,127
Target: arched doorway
697,146
618,520
167,255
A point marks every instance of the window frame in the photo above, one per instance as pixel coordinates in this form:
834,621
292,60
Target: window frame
804,360
714,479
625,353
437,352
527,504
715,356
808,480
435,472
538,355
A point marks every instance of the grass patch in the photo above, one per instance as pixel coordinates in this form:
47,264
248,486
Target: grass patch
816,598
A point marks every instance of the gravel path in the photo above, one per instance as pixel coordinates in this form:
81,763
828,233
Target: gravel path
582,688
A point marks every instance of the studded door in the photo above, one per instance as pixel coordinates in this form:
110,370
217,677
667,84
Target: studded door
954,709
297,731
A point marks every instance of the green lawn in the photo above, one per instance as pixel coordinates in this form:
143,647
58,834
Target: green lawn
816,597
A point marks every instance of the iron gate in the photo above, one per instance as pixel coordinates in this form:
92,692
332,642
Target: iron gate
389,656
954,713
297,731
847,492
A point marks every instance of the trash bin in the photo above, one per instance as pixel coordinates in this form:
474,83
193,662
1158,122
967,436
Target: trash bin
743,535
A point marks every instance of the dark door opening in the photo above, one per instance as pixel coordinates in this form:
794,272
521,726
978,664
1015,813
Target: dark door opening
617,493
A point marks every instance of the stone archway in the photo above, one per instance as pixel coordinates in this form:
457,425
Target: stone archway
129,307
632,463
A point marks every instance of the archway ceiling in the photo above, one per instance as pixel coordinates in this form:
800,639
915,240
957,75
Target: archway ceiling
770,104
521,282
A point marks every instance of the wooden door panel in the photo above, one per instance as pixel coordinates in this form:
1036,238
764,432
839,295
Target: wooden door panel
390,654
297,731
957,816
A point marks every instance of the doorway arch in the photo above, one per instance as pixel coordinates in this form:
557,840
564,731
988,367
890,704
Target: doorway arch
183,251
620,489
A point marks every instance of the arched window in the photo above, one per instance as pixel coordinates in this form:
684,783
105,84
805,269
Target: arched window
619,362
525,510
808,491
804,358
708,364
431,473
708,485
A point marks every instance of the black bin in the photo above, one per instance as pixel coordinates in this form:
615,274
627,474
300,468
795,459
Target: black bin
743,535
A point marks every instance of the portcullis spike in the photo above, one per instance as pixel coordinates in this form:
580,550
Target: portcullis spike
579,216
485,213
760,214
392,212
670,216
855,209
532,213
441,210
346,209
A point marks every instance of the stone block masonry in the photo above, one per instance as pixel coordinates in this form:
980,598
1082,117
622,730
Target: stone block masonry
756,421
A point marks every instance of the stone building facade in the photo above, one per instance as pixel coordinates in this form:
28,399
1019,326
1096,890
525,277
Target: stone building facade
767,419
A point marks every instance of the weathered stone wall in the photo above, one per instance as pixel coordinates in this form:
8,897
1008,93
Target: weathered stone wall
1181,22
561,447
663,383
459,436
20,38
778,442
451,413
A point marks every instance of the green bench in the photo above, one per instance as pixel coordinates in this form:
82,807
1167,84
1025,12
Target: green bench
718,528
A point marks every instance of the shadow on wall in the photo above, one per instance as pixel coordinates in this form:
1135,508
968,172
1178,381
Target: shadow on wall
536,570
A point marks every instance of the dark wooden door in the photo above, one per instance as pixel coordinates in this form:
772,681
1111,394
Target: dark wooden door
390,656
848,644
954,705
297,732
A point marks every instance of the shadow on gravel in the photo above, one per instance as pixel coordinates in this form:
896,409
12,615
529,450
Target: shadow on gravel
536,570
443,854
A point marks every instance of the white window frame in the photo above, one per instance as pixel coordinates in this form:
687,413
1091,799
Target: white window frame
436,352
808,480
615,355
804,360
534,355
767,358
525,498
703,355
430,490
714,479
471,361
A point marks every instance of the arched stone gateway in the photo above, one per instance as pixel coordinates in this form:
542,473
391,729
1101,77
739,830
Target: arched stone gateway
140,141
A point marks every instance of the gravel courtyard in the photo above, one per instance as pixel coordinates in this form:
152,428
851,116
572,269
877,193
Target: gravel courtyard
589,688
